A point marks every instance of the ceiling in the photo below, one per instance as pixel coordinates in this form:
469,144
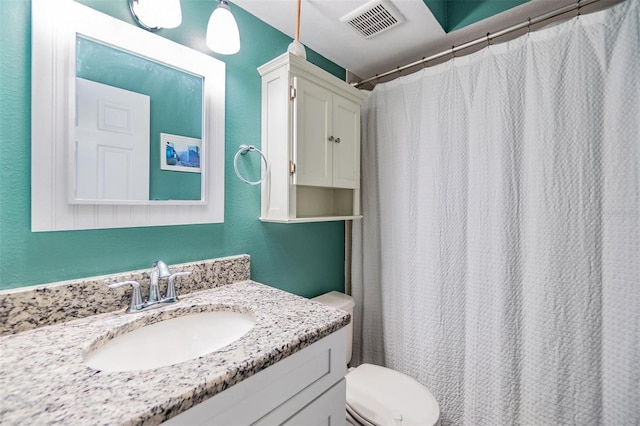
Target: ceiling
421,33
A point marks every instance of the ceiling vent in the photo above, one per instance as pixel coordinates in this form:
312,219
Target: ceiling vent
373,18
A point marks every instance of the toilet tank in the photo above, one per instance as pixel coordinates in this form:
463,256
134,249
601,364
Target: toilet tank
338,300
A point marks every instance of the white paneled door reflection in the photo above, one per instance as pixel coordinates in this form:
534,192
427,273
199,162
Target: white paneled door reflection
112,143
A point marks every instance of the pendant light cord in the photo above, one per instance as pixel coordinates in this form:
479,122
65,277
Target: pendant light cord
298,22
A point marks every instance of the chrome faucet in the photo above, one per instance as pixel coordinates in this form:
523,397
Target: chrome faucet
159,270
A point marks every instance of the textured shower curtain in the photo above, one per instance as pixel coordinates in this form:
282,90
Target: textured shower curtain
498,261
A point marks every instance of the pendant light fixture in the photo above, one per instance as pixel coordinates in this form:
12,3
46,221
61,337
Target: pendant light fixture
153,15
222,31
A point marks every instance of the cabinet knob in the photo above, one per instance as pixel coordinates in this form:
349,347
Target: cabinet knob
337,140
330,138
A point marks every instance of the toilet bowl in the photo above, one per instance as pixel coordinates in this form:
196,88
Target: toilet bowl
380,396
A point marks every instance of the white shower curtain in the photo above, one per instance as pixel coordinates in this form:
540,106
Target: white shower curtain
498,260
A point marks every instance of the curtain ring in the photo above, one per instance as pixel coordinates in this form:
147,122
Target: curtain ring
528,25
398,71
488,39
243,150
579,6
453,52
424,63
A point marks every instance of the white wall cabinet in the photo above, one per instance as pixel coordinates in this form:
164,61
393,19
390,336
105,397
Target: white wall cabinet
305,388
311,136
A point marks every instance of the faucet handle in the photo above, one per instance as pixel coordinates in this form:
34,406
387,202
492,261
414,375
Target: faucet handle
171,286
136,296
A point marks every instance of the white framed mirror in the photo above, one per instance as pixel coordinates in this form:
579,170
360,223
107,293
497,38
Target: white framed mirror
127,126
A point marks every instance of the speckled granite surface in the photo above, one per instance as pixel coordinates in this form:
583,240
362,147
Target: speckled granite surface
31,307
43,379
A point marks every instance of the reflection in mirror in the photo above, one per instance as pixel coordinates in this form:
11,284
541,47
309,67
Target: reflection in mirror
100,86
124,103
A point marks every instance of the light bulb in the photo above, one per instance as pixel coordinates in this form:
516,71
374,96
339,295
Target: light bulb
222,31
155,14
171,13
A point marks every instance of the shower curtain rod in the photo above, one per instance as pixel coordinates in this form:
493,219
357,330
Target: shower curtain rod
485,39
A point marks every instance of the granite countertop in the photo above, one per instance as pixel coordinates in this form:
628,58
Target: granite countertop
43,379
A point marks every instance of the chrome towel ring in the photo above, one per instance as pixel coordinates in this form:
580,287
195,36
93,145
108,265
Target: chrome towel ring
243,150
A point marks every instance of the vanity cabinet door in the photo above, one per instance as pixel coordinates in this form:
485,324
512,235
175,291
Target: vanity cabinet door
327,409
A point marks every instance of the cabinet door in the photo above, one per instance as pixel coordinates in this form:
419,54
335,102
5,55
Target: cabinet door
346,144
329,409
312,149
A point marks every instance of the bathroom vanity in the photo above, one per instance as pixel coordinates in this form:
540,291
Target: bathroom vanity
305,388
288,369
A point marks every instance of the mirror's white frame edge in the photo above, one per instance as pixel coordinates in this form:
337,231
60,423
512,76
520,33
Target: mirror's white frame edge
54,27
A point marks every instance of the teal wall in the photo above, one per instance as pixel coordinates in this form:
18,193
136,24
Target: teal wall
175,99
306,259
455,14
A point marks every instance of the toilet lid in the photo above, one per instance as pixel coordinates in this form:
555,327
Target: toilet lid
382,396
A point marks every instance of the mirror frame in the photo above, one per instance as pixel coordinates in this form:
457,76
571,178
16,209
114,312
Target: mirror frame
55,24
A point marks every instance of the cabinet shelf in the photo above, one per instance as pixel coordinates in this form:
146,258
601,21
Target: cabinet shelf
310,219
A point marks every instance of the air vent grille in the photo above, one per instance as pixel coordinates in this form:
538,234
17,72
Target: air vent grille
373,18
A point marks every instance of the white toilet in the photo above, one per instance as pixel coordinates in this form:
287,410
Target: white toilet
379,396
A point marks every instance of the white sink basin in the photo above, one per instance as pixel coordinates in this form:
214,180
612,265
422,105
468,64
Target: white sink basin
170,341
